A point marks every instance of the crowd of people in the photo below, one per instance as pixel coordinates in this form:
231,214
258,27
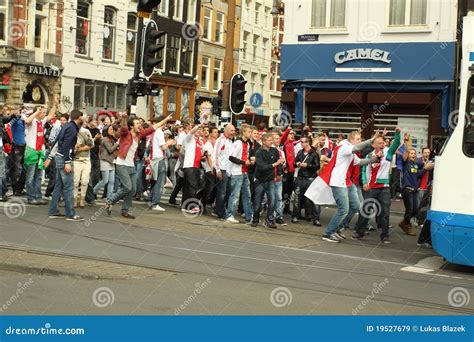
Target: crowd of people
240,172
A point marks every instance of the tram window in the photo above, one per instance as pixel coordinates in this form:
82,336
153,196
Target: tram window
468,140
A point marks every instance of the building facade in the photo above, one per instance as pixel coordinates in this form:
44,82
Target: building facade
371,64
210,64
255,54
31,43
275,81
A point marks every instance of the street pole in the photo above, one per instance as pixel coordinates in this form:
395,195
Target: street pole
136,73
228,61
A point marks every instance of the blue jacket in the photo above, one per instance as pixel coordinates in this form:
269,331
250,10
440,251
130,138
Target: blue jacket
17,125
66,141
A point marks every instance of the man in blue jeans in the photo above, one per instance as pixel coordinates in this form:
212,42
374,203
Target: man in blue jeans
267,159
239,180
65,146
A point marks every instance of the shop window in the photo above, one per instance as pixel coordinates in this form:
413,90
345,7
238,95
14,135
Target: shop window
219,27
99,95
217,74
328,13
110,99
407,12
121,97
158,103
109,33
336,122
174,53
205,73
78,84
34,94
207,23
83,27
89,93
131,37
185,103
172,100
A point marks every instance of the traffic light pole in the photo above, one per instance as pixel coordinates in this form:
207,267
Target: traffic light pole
132,108
228,61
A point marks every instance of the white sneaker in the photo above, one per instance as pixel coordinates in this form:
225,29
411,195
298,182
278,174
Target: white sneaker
156,207
231,219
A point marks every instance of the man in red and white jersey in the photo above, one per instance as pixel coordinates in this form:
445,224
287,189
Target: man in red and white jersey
239,180
332,186
222,151
191,168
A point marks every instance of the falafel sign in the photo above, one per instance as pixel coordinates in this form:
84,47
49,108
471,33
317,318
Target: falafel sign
42,70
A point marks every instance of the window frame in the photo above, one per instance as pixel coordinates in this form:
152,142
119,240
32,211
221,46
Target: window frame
207,37
257,8
4,10
114,35
133,31
407,24
245,44
327,18
208,67
191,15
163,40
217,86
219,29
88,19
163,5
255,47
180,8
178,53
469,113
190,52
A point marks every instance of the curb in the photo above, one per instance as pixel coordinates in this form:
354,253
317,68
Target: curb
46,271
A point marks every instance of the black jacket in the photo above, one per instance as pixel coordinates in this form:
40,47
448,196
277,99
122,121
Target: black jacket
254,147
67,140
312,159
264,171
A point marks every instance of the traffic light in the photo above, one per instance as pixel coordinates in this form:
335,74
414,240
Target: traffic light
237,93
147,6
140,87
217,104
151,48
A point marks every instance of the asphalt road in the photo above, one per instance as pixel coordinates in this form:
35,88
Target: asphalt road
206,266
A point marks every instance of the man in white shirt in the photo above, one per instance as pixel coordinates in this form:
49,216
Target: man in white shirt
35,151
206,195
158,165
221,155
188,125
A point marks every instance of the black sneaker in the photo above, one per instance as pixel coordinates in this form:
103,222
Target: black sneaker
254,224
269,224
75,218
317,223
280,222
171,202
331,238
58,215
356,236
294,220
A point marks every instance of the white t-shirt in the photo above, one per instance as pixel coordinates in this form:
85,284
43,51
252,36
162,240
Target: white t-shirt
192,152
181,137
130,158
209,149
344,158
31,130
157,142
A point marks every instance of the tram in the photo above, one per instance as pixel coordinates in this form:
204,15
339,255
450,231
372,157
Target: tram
452,205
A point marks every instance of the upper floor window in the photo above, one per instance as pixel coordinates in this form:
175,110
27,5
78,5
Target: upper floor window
44,25
207,23
217,74
191,16
205,73
3,19
247,10
219,27
407,12
109,33
328,13
161,53
178,9
257,13
83,32
187,57
245,44
174,53
162,9
132,24
267,17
